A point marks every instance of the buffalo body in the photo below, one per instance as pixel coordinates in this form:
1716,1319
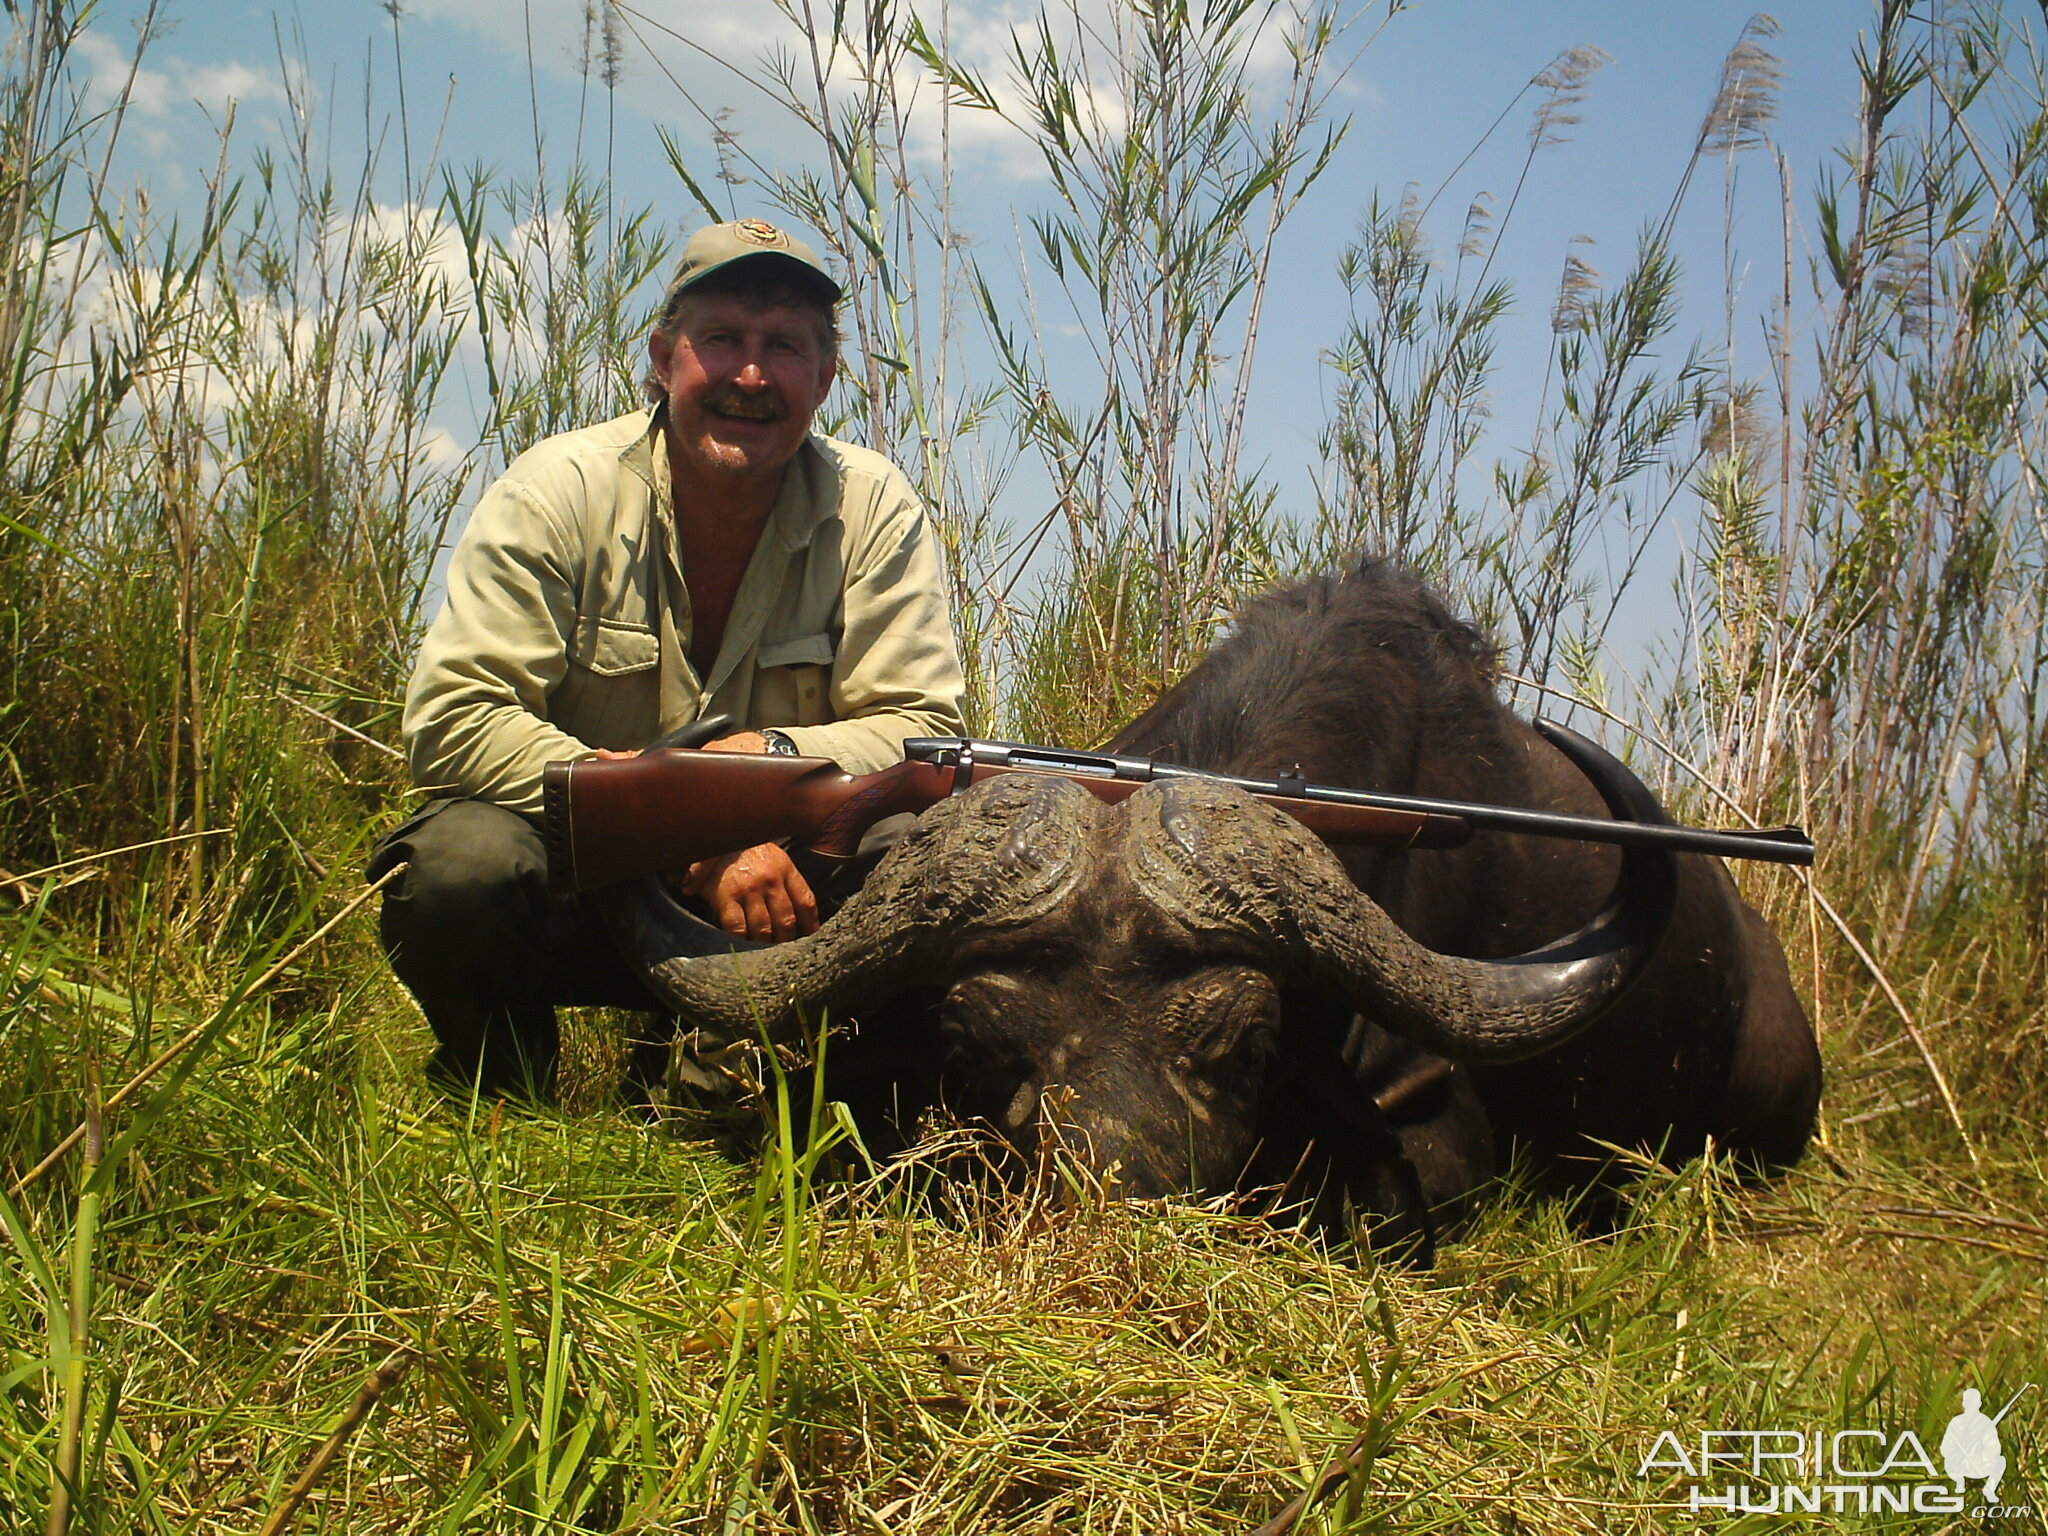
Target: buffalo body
1196,994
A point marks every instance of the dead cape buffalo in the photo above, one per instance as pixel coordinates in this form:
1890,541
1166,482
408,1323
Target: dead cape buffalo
1205,997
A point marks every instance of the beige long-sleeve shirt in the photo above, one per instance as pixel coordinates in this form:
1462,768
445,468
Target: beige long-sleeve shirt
567,623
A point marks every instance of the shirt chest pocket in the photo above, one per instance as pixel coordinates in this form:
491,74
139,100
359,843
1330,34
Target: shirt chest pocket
795,684
610,695
610,648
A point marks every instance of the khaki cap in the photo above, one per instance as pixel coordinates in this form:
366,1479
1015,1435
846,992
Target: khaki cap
713,249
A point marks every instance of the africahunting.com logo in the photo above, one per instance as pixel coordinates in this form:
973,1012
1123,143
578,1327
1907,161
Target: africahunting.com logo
1721,1472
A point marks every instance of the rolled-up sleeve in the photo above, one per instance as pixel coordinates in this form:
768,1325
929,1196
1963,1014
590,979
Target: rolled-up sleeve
897,672
476,711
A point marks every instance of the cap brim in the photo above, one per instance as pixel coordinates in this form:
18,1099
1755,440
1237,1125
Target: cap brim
794,266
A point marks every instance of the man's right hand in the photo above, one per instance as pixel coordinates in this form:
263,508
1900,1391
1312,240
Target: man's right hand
757,893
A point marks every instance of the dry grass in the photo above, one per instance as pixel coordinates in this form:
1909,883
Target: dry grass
611,1329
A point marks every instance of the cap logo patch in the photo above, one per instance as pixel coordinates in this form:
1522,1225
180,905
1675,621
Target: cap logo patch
759,232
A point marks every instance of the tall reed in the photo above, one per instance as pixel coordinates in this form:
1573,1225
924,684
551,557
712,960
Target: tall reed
1173,172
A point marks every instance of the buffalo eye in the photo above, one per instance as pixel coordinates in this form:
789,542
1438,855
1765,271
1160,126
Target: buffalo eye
1257,1047
987,1006
1229,1014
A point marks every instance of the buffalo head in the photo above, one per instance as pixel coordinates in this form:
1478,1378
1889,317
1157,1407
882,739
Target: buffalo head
1127,972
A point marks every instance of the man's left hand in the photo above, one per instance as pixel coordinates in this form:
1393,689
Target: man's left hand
740,741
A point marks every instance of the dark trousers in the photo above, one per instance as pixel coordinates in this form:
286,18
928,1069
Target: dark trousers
473,931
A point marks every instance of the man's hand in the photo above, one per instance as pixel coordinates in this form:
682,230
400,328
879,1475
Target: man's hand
741,741
756,894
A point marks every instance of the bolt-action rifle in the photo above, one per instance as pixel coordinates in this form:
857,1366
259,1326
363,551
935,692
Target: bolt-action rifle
611,819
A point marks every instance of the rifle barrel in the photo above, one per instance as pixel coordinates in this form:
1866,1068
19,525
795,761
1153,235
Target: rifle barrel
2023,1391
1777,845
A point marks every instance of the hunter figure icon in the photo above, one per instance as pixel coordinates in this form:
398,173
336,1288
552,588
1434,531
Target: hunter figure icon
1969,1450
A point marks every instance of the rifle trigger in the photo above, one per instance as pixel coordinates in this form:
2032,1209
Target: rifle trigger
963,768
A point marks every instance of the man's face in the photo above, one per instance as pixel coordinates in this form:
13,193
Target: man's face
743,382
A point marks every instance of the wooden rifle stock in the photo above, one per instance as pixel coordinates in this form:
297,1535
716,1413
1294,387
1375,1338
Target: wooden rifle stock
610,819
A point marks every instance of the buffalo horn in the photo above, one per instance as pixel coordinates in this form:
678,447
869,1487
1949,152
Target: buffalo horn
1226,865
992,860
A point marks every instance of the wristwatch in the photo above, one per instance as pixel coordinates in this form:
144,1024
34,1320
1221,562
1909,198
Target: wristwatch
780,745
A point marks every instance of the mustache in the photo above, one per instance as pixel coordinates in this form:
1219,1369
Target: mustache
731,402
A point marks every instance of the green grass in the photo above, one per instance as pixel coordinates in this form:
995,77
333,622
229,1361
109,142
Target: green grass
589,1324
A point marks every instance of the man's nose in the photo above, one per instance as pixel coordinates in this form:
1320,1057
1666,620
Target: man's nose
751,375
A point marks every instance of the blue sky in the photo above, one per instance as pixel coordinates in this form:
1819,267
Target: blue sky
1419,97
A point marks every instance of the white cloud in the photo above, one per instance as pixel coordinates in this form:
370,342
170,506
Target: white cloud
686,63
1353,87
214,86
437,242
210,347
173,179
710,61
160,91
440,450
108,65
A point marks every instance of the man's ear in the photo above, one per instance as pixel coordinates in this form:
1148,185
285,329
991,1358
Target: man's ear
660,349
829,370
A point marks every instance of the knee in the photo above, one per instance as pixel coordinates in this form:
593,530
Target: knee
471,866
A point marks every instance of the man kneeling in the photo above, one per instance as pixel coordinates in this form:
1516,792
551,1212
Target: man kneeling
707,556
